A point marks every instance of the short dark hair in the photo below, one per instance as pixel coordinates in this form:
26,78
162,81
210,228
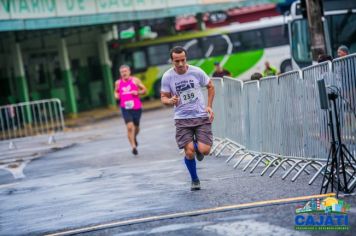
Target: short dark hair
256,76
177,49
324,57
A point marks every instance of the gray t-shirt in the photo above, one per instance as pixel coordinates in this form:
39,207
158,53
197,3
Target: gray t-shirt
188,88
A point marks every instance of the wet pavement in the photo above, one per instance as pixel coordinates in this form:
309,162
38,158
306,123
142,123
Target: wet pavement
90,178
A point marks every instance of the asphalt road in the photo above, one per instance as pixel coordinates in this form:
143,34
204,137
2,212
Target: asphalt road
89,178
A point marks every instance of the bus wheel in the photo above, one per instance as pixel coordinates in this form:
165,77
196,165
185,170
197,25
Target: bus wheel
286,66
157,89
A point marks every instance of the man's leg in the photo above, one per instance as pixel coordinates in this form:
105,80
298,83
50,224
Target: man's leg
198,154
136,120
131,136
203,140
184,138
203,148
137,130
191,165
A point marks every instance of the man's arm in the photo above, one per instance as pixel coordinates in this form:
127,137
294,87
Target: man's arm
142,89
117,95
167,99
166,96
211,94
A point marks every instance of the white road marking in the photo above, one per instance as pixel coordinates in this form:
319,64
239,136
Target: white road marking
191,213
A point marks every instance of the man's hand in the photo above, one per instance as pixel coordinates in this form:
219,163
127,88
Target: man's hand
174,100
210,113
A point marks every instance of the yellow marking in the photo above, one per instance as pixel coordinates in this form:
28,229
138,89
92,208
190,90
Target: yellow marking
190,213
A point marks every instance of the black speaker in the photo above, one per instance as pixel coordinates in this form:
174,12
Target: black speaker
323,96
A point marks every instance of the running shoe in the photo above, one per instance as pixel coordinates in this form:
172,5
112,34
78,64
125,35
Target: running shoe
134,151
195,185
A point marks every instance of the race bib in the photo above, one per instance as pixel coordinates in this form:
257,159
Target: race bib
188,96
129,104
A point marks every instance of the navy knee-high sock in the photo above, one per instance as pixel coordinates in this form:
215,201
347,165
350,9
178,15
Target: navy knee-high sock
192,168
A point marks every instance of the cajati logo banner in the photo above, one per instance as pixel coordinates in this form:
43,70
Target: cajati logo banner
322,214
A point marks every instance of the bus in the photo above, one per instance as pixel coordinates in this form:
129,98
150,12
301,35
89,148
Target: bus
240,48
339,22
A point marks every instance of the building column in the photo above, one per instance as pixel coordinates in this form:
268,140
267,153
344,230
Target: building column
84,84
22,90
106,70
71,103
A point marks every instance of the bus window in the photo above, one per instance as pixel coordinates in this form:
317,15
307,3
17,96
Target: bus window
300,42
134,59
274,36
139,60
342,30
247,40
193,48
215,46
236,42
158,54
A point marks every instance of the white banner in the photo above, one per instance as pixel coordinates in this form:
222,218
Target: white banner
25,9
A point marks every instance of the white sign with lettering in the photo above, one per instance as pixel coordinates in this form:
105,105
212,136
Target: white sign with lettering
25,9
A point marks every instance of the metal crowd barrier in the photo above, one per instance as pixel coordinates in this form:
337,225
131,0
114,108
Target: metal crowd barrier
43,117
277,122
344,73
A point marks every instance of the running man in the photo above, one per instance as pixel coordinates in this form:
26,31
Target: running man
127,90
181,88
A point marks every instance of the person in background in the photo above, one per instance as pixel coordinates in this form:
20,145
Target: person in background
127,90
256,76
342,51
269,70
324,57
219,71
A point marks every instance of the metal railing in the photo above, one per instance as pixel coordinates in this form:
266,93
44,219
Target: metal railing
43,117
277,123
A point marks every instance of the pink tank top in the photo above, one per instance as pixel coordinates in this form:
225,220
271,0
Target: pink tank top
127,100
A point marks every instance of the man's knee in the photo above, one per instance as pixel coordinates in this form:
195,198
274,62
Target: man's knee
137,128
189,151
204,149
130,127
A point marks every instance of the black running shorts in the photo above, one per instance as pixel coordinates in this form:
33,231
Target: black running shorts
131,115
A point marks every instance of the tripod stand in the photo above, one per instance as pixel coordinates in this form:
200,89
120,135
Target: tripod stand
338,158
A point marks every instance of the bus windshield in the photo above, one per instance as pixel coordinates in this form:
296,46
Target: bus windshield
341,29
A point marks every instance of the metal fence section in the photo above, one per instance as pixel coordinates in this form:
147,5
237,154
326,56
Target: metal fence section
316,132
277,123
269,115
43,117
252,117
219,125
344,74
289,115
234,110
